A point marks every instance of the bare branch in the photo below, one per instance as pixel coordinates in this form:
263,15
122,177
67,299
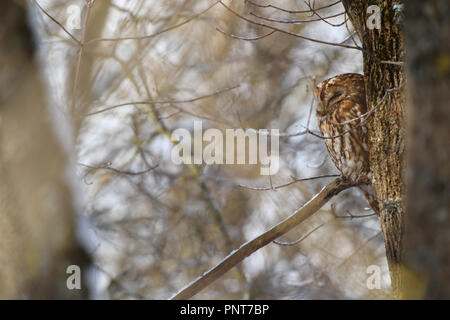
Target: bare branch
293,243
107,166
57,22
160,101
314,12
341,44
294,180
350,216
80,56
157,33
299,21
287,32
275,232
243,38
348,30
291,11
395,63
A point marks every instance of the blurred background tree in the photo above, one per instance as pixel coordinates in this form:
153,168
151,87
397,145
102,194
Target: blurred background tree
427,265
37,215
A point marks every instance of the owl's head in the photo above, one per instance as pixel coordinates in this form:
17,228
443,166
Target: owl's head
331,92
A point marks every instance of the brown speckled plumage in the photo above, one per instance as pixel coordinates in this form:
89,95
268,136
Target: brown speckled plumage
341,99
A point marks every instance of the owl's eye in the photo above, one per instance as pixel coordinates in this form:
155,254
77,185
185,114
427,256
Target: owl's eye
340,92
333,98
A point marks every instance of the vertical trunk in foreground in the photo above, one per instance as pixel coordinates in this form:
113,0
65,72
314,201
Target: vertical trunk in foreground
382,47
427,238
37,238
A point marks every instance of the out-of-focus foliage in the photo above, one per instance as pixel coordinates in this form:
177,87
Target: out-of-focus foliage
152,233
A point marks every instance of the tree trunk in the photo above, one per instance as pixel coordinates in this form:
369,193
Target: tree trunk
382,50
37,218
427,238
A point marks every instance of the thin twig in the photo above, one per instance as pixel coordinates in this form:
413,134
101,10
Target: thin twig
310,112
160,101
58,23
294,180
80,57
243,38
287,32
157,33
298,21
291,11
374,109
314,12
398,63
293,243
348,30
107,166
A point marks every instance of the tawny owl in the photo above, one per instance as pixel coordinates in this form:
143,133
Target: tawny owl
341,102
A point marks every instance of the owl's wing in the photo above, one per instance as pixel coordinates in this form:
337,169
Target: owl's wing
349,113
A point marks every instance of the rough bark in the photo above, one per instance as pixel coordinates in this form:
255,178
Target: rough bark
386,125
427,232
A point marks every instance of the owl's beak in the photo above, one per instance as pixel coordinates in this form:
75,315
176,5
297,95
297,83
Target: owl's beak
320,110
